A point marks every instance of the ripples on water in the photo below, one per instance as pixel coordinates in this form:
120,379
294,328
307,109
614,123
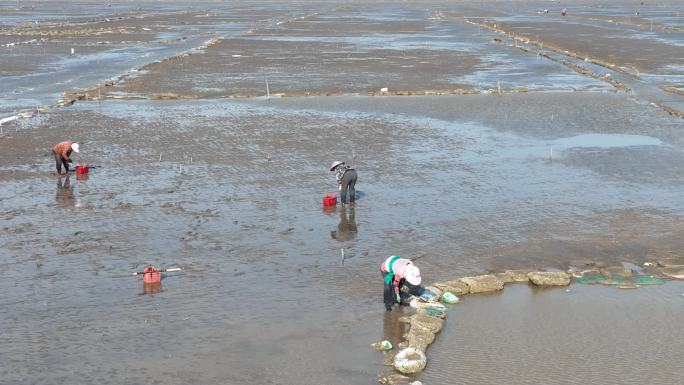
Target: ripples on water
592,334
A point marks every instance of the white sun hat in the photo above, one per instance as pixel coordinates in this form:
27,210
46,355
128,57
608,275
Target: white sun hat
74,146
412,274
335,164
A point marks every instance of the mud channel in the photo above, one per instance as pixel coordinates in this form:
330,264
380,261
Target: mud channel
478,158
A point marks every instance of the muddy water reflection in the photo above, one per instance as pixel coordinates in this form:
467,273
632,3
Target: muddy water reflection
152,288
65,192
346,229
392,329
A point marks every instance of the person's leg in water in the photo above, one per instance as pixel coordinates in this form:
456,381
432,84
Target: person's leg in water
348,181
352,183
58,163
407,290
344,183
387,293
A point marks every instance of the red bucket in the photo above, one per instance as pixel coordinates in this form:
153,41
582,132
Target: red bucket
81,169
151,275
329,200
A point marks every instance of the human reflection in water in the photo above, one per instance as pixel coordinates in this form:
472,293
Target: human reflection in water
346,229
65,192
152,288
393,330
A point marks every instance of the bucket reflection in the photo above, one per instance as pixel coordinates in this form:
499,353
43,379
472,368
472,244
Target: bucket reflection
152,288
82,177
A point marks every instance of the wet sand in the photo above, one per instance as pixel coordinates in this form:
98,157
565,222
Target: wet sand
274,289
265,277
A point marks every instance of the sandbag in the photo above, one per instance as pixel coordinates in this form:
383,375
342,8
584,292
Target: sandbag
434,309
410,361
456,286
514,276
483,283
419,338
550,278
426,320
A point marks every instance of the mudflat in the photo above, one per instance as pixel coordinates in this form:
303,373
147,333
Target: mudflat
210,128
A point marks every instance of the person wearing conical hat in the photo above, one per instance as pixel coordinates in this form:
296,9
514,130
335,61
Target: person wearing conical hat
402,280
346,179
62,151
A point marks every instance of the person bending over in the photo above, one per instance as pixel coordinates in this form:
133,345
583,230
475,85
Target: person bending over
402,280
346,178
62,152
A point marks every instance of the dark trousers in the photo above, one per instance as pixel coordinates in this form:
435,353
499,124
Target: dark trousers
406,291
58,163
348,182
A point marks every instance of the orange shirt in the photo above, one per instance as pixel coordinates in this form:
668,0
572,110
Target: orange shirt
63,149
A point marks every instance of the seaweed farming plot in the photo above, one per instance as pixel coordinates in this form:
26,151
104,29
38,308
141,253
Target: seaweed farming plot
69,49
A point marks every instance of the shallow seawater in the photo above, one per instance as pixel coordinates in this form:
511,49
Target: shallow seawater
587,334
606,141
236,200
63,72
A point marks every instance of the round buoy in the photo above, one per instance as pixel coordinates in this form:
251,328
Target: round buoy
151,275
410,360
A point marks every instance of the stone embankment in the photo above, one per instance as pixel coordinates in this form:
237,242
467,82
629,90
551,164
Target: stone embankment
429,318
